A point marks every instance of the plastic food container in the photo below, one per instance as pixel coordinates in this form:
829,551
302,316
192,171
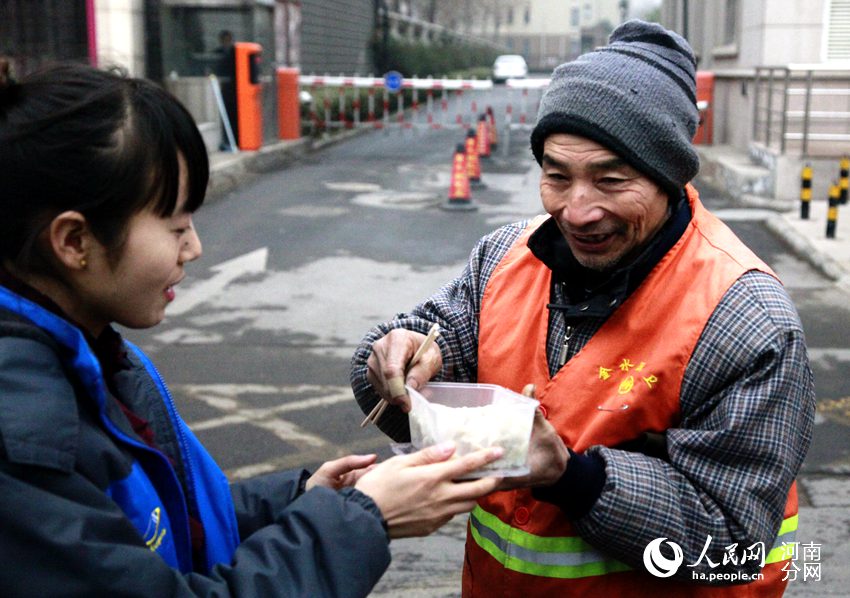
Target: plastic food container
474,416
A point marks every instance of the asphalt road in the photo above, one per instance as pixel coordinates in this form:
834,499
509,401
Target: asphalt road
299,263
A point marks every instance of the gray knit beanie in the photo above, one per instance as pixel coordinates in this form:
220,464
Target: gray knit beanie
636,97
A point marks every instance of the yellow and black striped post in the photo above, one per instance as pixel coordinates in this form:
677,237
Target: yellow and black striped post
843,178
806,191
832,212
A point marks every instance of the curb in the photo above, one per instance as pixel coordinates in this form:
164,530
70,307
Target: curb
799,243
805,249
777,223
228,171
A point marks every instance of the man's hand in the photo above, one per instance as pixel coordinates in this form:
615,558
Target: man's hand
388,363
547,454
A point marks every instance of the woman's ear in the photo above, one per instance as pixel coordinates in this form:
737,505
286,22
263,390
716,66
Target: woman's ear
70,240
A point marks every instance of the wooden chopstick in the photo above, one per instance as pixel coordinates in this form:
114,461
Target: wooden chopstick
381,406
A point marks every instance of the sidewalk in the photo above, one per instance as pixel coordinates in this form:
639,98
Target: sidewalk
229,170
722,166
808,238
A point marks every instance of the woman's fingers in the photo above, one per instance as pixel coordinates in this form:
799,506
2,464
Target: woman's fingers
341,472
462,466
343,465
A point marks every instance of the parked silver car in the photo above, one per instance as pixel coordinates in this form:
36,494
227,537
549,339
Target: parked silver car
509,66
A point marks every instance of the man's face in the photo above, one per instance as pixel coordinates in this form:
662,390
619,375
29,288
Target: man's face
606,210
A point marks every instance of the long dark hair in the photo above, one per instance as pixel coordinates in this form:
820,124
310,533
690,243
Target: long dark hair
73,137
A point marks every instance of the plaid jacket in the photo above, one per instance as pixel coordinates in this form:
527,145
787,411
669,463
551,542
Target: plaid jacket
747,407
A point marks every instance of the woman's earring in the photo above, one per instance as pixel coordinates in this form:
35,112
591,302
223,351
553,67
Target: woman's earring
83,263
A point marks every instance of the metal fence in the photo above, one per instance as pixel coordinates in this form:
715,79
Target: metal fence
802,109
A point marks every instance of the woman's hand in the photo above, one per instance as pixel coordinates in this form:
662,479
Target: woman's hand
342,472
417,493
387,365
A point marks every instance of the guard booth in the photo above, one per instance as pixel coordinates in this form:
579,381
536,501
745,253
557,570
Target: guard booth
249,109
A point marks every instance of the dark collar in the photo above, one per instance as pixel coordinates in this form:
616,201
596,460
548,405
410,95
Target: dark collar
591,293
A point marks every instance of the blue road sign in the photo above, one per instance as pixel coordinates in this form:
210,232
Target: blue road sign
393,81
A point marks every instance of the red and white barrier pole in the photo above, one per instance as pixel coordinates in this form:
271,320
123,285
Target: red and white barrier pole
343,84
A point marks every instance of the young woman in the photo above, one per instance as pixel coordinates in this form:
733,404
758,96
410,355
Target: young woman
105,491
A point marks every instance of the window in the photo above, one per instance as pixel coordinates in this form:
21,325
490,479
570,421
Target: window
526,17
730,23
837,33
510,18
574,16
34,32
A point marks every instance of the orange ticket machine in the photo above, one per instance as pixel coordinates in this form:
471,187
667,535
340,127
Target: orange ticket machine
249,109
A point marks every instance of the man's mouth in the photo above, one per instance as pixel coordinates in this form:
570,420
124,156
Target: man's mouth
594,242
592,239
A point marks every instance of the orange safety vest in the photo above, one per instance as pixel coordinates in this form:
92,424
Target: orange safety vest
625,381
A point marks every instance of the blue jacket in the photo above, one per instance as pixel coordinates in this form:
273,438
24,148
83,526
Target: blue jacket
89,508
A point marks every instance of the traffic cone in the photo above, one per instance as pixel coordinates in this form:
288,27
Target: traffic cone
494,130
473,164
483,137
459,194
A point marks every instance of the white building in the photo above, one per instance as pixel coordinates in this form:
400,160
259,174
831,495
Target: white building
549,32
781,79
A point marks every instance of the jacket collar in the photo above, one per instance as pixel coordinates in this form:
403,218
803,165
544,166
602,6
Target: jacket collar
108,347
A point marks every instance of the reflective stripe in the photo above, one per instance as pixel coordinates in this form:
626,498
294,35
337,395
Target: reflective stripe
565,557
570,557
783,547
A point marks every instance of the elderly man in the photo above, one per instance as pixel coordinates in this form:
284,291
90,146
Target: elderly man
666,355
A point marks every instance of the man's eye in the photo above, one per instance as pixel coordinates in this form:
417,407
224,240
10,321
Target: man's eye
610,180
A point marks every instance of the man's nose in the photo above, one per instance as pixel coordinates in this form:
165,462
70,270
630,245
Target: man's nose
582,206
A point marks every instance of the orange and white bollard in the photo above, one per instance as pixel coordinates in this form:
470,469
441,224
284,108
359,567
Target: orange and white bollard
483,137
473,164
460,197
494,131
